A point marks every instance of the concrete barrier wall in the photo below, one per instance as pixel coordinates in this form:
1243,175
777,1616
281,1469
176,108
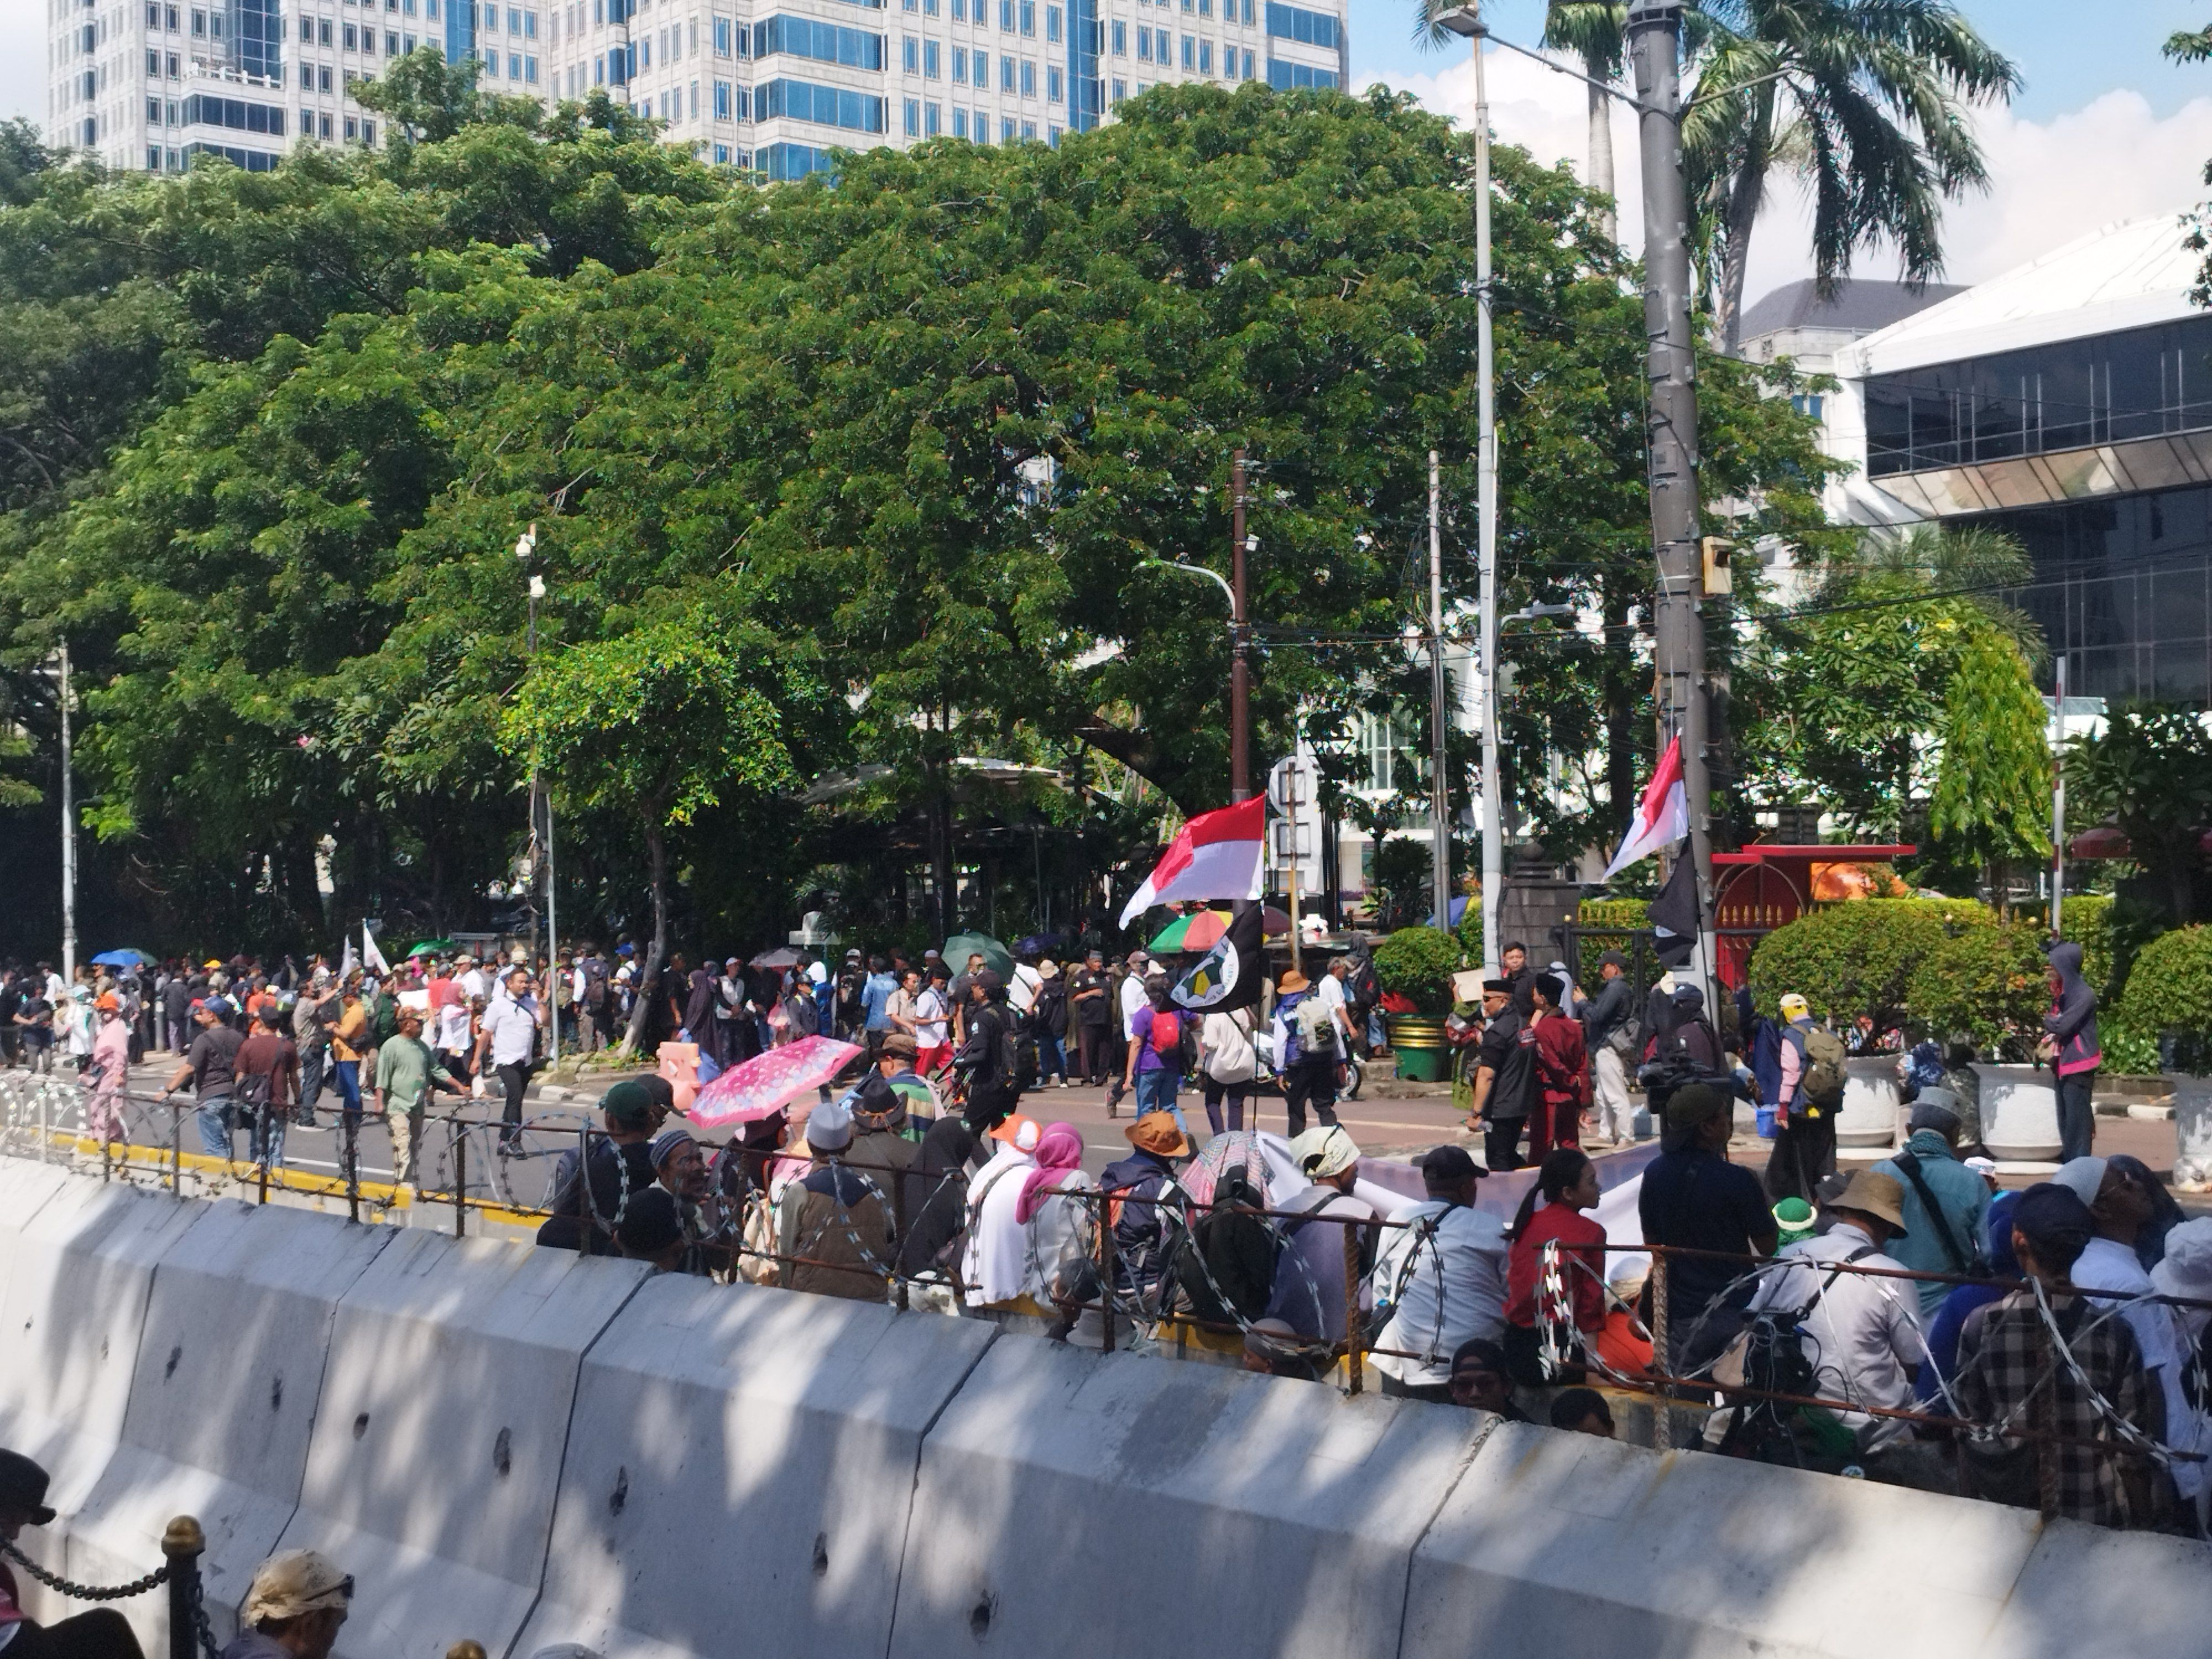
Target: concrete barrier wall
223,1399
439,1437
744,1459
726,1470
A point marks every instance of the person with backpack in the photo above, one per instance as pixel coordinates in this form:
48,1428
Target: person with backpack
266,1069
1158,1032
1145,1203
1443,1279
1326,1249
1306,1033
1946,1204
1049,1024
1363,993
1227,1064
987,1061
1807,1099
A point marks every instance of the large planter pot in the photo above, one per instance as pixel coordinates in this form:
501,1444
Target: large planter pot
2192,1129
1417,1041
2019,1113
1868,1117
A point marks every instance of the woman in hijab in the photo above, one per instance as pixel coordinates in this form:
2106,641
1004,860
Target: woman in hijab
1057,1223
699,1014
993,1267
2069,1043
2165,1212
937,1198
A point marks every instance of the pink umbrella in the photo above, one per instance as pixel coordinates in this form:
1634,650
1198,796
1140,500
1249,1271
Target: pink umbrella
768,1081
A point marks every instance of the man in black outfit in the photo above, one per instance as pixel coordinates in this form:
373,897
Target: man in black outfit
1505,1077
1694,1198
986,1058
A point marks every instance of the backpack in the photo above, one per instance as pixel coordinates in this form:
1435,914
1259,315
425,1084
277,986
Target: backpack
251,1089
1822,1085
1168,1039
1226,1267
1317,1030
1363,988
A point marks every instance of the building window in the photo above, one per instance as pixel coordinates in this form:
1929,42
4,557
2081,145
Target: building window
1029,77
1052,83
722,37
1121,40
1029,17
1309,28
959,122
802,101
723,102
1205,57
1121,91
932,120
1189,51
960,66
1144,43
1005,73
983,68
1286,78
1005,16
914,118
932,67
910,55
1248,65
1006,128
826,43
1052,23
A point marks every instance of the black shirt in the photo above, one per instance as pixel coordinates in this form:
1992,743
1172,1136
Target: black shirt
1699,1200
1095,1009
214,1057
1509,1049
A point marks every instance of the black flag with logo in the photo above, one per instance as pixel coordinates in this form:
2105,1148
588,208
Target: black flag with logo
1227,976
1674,913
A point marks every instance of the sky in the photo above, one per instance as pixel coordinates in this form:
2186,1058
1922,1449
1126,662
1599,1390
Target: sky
2104,129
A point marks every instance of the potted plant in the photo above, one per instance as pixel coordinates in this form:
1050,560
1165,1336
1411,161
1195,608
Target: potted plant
1853,963
1986,982
1416,964
2169,991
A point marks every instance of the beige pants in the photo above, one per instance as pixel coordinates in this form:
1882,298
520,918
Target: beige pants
1616,1118
406,1133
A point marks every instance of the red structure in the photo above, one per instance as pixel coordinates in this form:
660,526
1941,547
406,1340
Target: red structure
1764,886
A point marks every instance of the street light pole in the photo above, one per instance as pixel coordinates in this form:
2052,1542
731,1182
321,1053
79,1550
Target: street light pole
68,832
1654,45
541,829
1240,678
1439,777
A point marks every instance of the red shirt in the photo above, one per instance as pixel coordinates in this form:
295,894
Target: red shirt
1561,1058
1581,1266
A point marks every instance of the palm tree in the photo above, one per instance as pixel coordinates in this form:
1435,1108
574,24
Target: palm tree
1865,99
1591,29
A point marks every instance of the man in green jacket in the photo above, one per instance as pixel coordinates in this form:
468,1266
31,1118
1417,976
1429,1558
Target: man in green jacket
406,1071
1947,1205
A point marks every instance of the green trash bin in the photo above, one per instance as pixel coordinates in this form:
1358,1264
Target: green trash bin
1418,1040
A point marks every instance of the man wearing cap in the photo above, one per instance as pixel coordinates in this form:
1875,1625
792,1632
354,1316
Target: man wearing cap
896,1065
1139,1183
1504,1077
680,1168
833,1226
1605,1036
1804,1152
1694,1198
298,1602
882,1149
1312,1293
1442,1277
1862,1332
1946,1204
586,1205
2006,1376
208,1066
103,1633
1308,1070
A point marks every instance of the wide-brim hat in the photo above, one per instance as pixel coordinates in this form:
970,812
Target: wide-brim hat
1873,1194
1157,1133
1292,981
23,1486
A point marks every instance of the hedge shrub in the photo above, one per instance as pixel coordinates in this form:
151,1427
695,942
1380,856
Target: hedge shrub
1855,958
1417,963
2169,992
2087,919
1986,980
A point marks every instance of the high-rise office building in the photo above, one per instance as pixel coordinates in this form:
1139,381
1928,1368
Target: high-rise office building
771,84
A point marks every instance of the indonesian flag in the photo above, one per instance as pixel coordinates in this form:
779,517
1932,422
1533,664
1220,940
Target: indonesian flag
1217,856
1662,817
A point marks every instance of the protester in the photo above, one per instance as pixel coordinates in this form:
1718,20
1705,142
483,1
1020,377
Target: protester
1622,1345
1129,1000
881,1148
1048,1023
1059,1226
1443,1276
651,1229
1227,1065
833,1225
2186,1270
1694,1199
2119,1204
1323,1248
102,1633
1563,1083
986,1062
1505,1082
1946,1204
2069,1044
1091,998
1567,1185
1479,1380
406,1072
1305,1053
265,1072
350,1044
314,1022
1142,1186
993,1262
586,1203
508,1042
1808,1092
1583,1411
1609,1042
209,1066
110,1072
1154,1070
2078,1467
937,1198
1942,1364
2160,1213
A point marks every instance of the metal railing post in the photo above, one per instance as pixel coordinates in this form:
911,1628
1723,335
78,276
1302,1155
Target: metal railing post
1662,1421
460,1178
183,1544
1351,1309
352,1123
1105,1274
176,1149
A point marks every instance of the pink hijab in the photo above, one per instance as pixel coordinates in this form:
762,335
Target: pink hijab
1059,1150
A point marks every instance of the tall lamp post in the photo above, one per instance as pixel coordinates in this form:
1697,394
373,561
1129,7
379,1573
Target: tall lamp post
69,827
541,817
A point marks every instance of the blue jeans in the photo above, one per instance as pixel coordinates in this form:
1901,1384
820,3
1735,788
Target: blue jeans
1052,1057
273,1154
1156,1092
215,1126
349,1082
312,1065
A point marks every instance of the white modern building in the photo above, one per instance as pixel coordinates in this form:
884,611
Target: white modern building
770,84
2070,403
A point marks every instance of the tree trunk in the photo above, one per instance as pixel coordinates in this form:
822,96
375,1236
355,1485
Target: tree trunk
648,982
1746,190
1601,146
943,877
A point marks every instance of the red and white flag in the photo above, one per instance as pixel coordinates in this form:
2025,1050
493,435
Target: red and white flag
1662,817
1217,856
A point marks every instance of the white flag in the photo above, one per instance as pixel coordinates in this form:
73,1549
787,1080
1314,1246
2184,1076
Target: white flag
370,956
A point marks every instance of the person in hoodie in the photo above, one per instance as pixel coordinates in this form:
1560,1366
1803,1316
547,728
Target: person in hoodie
2069,1043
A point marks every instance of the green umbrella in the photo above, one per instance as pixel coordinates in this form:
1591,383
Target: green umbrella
430,947
961,946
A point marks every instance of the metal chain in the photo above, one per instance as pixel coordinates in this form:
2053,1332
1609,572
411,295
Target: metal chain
77,1592
208,1644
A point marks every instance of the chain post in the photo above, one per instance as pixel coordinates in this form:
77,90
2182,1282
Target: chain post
183,1545
176,1149
268,1144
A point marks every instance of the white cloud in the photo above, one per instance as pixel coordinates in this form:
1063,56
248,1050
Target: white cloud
2112,160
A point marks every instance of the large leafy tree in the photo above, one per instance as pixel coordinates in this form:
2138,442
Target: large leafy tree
1991,805
1867,101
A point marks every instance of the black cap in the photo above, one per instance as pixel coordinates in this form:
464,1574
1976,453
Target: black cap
1613,959
1550,987
1449,1165
1503,988
23,1488
648,1225
988,980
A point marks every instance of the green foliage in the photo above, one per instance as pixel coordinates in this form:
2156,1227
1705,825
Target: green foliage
2169,991
1469,931
1856,959
1992,800
1626,914
2150,773
429,100
2087,919
1418,962
1987,981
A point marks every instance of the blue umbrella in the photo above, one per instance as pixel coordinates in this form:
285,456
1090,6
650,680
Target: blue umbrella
121,959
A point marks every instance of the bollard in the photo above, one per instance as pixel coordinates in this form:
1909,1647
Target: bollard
177,1150
268,1149
466,1648
183,1544
1662,1421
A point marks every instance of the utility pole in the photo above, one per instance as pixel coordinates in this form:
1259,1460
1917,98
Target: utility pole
1439,777
68,832
1467,21
1240,674
2059,796
541,822
1653,46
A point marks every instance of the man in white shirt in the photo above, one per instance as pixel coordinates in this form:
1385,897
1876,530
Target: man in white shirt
1022,989
1131,1000
1862,1332
1444,1277
510,1038
473,979
1329,993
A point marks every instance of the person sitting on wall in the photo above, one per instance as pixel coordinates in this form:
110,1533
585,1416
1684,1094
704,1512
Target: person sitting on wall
298,1602
102,1633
